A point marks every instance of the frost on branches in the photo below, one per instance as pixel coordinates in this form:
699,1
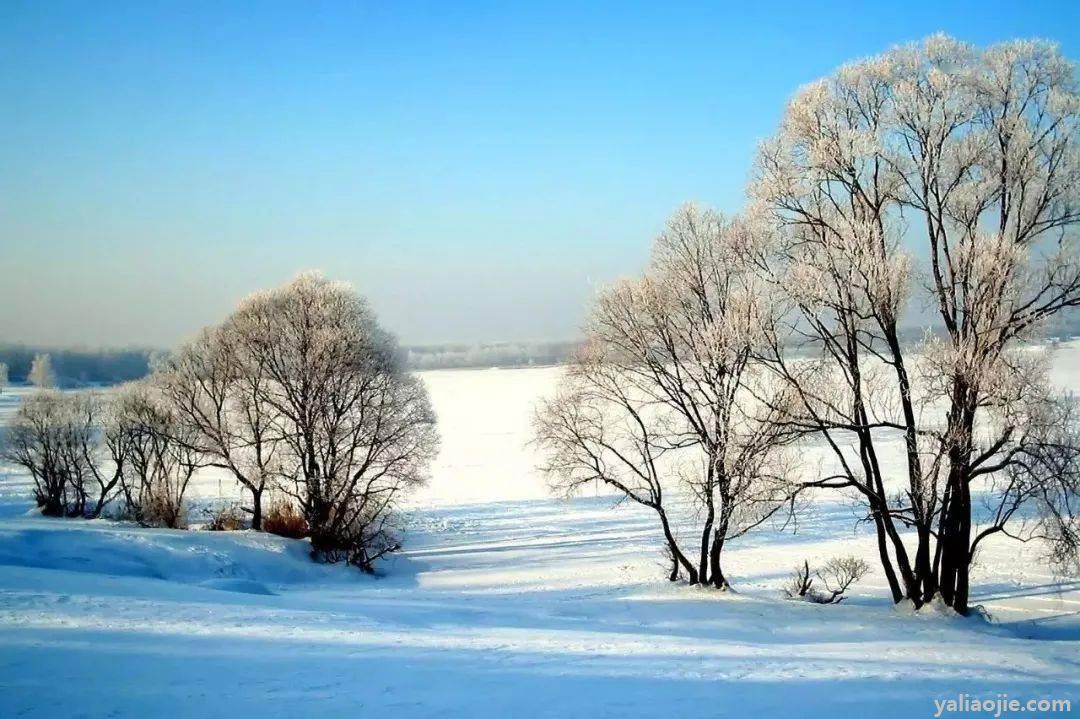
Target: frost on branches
661,401
974,155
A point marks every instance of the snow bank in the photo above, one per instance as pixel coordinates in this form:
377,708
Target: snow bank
248,562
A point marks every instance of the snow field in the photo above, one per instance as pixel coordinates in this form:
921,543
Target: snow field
505,602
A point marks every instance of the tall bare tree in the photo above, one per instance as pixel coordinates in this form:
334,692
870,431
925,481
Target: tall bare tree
659,402
974,154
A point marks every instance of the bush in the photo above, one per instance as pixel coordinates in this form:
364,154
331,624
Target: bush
159,510
285,520
360,540
837,575
226,519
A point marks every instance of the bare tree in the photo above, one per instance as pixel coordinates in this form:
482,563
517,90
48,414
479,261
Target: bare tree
660,396
3,376
35,440
356,431
160,456
56,438
42,374
107,454
975,153
219,393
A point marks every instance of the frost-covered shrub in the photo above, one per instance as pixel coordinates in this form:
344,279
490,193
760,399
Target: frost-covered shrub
40,439
157,509
363,538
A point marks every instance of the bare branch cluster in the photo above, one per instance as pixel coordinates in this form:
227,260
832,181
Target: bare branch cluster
660,404
837,576
58,440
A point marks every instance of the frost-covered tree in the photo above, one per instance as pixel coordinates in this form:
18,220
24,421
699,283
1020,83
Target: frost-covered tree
974,154
160,454
56,437
39,439
41,374
354,431
660,403
3,376
219,392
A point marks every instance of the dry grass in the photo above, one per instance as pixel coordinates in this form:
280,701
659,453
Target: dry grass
285,520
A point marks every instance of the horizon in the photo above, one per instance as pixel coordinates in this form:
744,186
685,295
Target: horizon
476,173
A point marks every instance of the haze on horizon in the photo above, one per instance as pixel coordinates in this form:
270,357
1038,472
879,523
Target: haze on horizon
475,172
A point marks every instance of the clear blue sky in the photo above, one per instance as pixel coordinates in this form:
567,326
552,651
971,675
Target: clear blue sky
475,169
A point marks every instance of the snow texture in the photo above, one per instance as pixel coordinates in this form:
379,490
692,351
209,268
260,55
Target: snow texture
505,603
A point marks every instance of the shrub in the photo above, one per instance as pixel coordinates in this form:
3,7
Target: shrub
837,575
360,539
285,520
159,510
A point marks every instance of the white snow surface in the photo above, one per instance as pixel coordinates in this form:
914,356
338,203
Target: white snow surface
506,602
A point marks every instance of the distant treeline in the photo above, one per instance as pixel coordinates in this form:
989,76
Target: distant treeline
503,354
78,367
1065,325
75,367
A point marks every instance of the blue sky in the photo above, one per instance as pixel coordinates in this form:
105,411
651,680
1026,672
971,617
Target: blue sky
475,169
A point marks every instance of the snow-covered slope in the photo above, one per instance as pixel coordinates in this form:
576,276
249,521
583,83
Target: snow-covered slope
515,606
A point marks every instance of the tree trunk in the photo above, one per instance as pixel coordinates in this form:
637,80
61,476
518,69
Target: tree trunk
710,517
52,507
678,557
924,571
256,509
956,557
880,506
716,573
886,561
706,535
925,582
956,535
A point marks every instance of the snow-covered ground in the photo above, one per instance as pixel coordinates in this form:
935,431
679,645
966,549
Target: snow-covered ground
506,603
